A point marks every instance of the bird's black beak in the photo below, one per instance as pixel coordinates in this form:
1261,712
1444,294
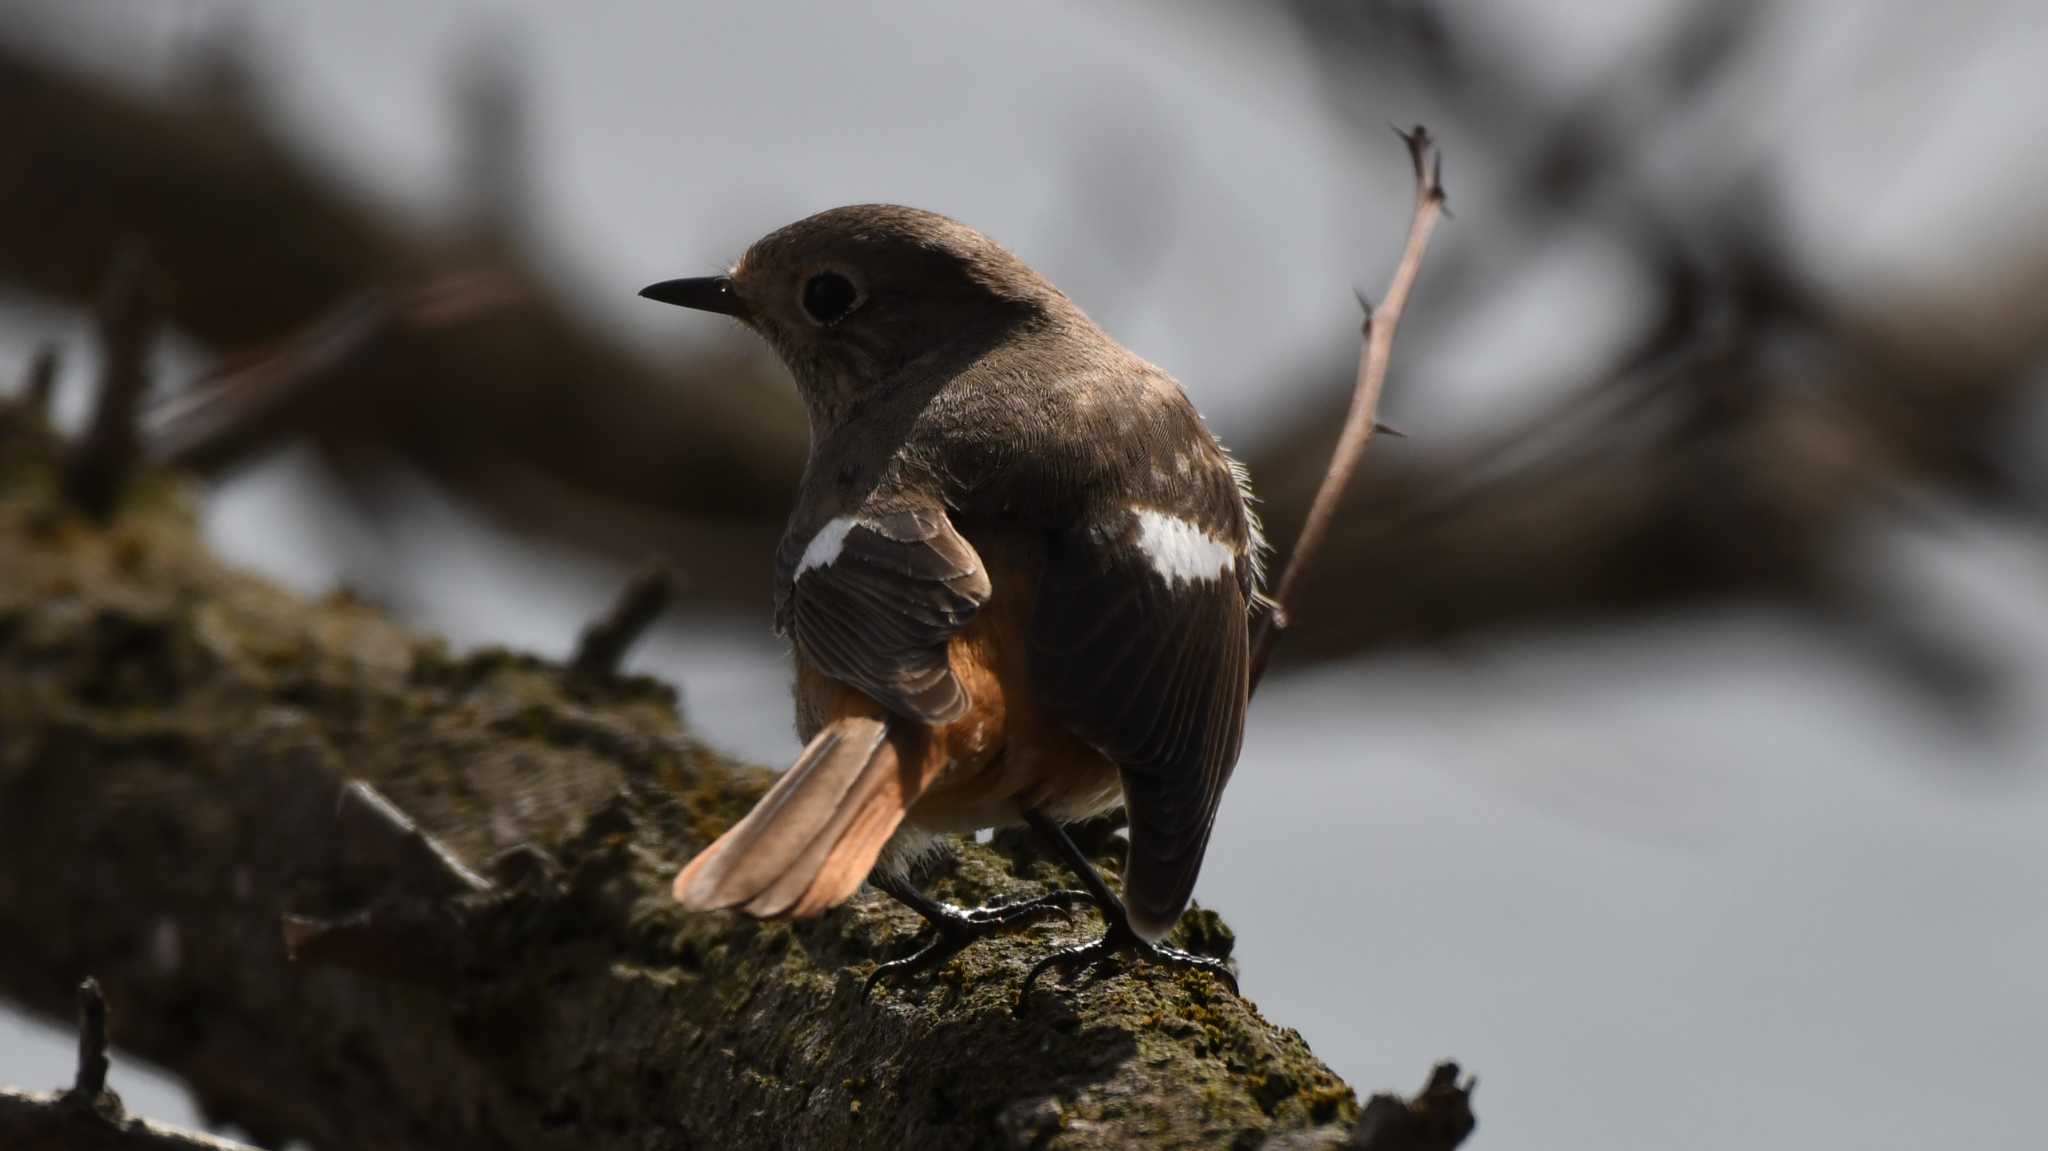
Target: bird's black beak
704,293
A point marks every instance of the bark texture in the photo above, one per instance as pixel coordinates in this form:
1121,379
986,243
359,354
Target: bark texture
198,771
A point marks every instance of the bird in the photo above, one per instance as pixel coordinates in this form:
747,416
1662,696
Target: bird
1018,583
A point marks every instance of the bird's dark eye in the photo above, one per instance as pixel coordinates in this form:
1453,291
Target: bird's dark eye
828,296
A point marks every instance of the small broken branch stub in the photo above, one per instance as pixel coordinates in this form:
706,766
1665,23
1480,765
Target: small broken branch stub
604,644
97,470
88,1117
91,1077
1438,1118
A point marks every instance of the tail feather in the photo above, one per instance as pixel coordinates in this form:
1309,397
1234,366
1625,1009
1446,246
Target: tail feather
848,866
810,842
803,889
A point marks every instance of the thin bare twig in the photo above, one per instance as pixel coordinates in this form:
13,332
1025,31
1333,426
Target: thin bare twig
1376,350
277,391
605,642
98,467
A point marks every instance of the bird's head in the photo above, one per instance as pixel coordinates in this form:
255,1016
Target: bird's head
872,297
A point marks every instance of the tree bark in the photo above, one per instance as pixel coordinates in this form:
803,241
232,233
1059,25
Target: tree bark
201,775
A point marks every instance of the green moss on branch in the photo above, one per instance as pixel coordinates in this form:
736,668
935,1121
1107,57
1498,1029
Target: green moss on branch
173,735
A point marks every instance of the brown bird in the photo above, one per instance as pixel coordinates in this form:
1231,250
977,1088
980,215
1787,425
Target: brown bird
1018,582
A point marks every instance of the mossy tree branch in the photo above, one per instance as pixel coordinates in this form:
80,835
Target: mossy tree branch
475,855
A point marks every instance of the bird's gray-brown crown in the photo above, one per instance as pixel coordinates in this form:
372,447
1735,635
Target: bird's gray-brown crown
855,297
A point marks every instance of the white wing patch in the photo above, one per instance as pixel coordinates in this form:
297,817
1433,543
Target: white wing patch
824,547
1180,551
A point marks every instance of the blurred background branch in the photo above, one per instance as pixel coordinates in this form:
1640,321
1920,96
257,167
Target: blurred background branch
345,327
1739,442
1743,436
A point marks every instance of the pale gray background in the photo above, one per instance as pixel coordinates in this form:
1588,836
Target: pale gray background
1705,883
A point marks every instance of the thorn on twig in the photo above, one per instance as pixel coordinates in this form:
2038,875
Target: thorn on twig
604,644
41,380
1389,430
91,1078
99,464
1419,142
1429,166
1437,1119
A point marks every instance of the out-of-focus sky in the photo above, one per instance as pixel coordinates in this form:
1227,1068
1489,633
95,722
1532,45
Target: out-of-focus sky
1705,882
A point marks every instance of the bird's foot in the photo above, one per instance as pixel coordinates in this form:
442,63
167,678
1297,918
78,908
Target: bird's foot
954,928
1114,943
1027,910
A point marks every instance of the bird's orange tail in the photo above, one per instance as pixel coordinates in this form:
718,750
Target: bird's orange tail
811,841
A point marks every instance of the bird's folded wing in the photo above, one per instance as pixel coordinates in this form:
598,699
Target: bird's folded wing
874,598
1141,648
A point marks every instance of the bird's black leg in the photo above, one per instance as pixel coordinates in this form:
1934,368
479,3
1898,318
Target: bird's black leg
956,927
1118,938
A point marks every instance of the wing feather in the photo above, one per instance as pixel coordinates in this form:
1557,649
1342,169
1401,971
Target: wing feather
877,614
1150,669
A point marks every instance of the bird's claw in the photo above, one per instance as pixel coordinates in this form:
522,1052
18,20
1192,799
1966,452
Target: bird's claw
1025,910
1118,941
956,928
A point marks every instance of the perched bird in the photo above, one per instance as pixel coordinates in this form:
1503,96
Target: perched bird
1018,583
